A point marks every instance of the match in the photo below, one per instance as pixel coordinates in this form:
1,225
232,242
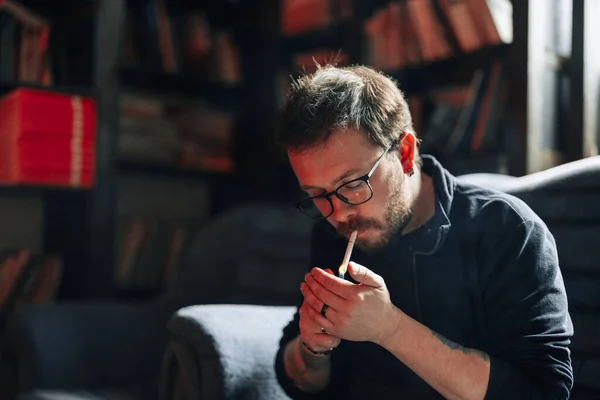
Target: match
344,265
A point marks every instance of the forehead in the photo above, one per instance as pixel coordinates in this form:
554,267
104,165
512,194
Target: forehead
343,151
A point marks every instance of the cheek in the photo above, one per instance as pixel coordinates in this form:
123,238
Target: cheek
381,192
386,191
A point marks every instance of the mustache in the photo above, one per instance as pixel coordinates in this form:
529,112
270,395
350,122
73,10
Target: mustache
357,224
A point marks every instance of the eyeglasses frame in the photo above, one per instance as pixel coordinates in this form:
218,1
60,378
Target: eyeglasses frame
365,178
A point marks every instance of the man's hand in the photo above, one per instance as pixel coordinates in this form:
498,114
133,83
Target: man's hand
362,312
310,331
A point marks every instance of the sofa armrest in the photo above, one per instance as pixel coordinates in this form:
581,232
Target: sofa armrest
224,352
77,345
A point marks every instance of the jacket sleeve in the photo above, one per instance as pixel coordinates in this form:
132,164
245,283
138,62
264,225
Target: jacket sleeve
527,322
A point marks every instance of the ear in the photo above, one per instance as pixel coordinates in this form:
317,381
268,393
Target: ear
407,150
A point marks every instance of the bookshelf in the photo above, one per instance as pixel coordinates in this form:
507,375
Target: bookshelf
165,81
90,39
435,50
63,210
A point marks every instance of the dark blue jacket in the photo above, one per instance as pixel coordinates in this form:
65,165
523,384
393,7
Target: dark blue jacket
484,273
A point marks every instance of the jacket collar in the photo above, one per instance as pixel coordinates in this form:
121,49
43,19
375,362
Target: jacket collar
428,238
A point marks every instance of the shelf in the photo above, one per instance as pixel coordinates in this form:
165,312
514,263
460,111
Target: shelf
55,7
165,171
35,190
333,37
6,87
220,94
427,76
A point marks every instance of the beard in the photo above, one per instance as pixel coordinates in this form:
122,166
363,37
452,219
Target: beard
397,215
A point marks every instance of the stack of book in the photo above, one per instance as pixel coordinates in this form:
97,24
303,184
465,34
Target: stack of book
150,249
301,16
407,33
175,132
27,278
24,39
47,138
186,43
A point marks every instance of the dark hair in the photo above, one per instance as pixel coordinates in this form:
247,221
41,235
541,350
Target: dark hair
335,98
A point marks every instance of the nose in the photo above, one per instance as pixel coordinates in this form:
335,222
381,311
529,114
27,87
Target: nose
341,211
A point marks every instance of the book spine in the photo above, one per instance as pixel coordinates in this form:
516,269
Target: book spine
76,141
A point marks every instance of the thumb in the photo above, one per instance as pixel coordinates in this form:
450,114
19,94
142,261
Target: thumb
364,275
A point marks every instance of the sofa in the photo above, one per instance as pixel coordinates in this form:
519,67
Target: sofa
228,351
252,254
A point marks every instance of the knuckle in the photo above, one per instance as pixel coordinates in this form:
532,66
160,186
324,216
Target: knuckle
334,341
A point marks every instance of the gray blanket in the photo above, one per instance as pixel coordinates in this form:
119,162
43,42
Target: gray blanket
234,350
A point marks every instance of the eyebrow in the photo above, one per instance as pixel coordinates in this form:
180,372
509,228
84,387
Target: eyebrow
345,175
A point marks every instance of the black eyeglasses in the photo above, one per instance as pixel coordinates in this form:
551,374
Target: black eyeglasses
355,192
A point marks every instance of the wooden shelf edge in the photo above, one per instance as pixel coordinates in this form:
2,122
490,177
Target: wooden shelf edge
135,167
6,87
329,37
30,190
220,94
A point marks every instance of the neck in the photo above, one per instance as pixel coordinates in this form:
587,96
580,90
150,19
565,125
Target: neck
423,203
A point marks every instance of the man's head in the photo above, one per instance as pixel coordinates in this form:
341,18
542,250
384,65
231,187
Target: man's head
337,125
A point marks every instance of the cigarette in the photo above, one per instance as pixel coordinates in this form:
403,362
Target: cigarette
344,265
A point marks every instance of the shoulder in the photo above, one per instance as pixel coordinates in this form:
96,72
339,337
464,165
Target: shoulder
492,209
498,227
509,239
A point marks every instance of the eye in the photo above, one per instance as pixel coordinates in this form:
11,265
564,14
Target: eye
353,185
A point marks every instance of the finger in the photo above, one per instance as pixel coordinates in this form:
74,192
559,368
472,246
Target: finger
327,323
332,283
329,271
309,322
323,296
310,299
313,335
321,342
364,275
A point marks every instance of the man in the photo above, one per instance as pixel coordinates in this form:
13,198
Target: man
456,290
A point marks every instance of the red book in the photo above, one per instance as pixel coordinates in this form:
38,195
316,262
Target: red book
47,138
